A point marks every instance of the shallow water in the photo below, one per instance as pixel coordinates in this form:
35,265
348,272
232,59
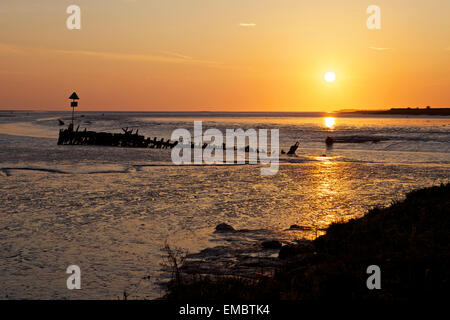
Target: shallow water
110,210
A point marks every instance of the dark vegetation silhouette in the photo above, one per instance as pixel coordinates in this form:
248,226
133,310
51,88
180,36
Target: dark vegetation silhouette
409,241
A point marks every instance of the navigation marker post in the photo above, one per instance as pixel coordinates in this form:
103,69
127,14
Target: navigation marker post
74,104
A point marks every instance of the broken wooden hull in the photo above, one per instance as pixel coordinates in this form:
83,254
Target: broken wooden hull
127,139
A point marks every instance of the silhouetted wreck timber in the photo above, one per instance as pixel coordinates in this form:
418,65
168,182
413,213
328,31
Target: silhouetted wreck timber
351,139
127,139
293,148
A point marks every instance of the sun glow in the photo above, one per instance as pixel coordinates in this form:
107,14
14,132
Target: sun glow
329,122
329,77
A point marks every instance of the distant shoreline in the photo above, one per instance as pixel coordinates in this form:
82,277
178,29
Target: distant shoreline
402,111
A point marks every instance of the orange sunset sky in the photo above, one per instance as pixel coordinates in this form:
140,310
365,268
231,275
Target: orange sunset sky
227,55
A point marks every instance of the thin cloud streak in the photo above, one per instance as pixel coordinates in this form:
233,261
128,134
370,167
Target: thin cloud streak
380,49
162,57
137,57
177,55
10,49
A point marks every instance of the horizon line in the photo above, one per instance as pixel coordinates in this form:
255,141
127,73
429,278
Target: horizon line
345,110
179,111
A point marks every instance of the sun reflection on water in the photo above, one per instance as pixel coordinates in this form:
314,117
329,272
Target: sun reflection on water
329,188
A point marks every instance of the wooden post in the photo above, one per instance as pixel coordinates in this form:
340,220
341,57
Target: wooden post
73,112
74,104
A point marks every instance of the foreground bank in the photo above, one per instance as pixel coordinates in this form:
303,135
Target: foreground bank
409,241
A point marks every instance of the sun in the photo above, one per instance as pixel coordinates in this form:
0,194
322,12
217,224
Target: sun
329,122
329,77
